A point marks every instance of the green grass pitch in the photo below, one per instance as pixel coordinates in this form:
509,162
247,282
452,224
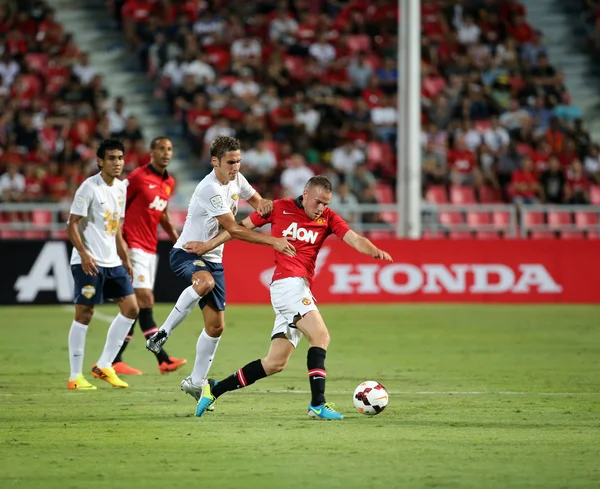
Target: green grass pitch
480,397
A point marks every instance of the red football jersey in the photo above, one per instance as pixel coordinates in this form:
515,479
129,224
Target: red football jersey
289,220
148,193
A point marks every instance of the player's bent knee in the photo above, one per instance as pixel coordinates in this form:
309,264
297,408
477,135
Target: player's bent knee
214,330
145,298
129,307
84,315
203,284
274,365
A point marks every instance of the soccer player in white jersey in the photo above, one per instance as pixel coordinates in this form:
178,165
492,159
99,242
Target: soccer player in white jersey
213,207
100,264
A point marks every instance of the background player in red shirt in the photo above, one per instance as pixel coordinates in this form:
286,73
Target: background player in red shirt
307,222
148,191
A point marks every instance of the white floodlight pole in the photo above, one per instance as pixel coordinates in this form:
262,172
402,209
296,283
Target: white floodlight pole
408,187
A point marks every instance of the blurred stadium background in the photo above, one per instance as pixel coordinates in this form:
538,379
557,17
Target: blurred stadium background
477,124
462,137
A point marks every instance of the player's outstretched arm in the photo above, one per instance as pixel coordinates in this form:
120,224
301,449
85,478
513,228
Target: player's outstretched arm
263,206
203,247
242,233
364,246
167,225
88,264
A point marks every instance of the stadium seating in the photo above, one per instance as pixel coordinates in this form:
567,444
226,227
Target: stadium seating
292,68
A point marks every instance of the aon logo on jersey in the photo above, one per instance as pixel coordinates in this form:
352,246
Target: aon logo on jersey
293,232
158,204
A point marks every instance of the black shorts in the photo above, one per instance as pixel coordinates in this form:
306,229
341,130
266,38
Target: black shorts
185,264
108,283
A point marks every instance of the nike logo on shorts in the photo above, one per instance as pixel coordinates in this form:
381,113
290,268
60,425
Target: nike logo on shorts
152,186
287,212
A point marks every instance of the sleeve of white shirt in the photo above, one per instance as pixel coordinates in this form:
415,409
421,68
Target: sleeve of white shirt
212,199
83,200
246,190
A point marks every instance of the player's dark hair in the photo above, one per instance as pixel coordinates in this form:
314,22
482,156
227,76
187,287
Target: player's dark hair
222,145
320,181
108,145
156,140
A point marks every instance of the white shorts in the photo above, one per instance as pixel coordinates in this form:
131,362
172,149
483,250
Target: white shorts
144,268
290,297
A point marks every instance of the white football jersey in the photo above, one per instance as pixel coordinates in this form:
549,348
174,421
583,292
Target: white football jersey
211,199
102,208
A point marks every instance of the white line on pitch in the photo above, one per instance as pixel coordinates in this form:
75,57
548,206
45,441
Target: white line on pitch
304,392
100,315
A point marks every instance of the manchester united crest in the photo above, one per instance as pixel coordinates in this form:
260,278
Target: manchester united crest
306,301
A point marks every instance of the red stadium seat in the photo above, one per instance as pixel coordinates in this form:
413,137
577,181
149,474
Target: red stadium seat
595,194
450,218
436,194
359,42
543,235
572,235
295,66
584,219
593,235
61,234
36,235
41,217
432,235
460,235
11,234
501,219
489,195
476,219
178,218
533,218
462,195
558,219
37,61
375,235
488,235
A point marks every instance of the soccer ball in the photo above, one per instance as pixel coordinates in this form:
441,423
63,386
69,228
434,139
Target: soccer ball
370,398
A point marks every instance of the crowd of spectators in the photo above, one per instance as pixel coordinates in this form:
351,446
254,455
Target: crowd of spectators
308,86
54,109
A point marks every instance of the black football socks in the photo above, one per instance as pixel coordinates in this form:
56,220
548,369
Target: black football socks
243,377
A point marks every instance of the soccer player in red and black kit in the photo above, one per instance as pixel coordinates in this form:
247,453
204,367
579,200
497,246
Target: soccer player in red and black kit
148,191
306,222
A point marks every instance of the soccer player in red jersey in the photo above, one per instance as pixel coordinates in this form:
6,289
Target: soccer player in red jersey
148,191
307,222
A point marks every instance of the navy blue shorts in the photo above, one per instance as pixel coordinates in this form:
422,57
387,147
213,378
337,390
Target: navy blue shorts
108,283
185,264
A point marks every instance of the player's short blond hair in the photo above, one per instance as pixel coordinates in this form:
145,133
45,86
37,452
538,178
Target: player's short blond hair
320,181
221,145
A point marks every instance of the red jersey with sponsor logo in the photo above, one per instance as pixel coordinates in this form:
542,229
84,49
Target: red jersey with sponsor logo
148,193
289,220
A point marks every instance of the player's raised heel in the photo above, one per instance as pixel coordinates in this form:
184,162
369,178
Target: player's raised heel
195,391
207,399
121,368
172,365
80,383
109,375
324,411
156,341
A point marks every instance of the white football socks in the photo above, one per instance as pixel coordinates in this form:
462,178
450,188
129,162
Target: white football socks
114,340
184,305
205,352
76,348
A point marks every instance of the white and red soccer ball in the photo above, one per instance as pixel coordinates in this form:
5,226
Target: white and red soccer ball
370,398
